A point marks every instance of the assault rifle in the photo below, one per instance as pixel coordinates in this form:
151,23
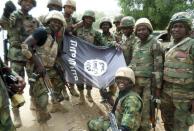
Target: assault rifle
113,122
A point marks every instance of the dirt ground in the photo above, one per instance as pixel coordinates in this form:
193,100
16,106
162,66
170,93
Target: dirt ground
74,120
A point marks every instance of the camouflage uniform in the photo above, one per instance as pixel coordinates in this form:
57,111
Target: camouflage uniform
178,79
19,27
5,118
128,108
118,33
146,61
92,36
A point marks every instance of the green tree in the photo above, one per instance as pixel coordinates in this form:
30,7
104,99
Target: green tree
158,11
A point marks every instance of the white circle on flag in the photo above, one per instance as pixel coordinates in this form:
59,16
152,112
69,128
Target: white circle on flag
95,67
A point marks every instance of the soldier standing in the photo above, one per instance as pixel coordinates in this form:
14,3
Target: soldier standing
87,33
146,63
127,107
19,25
46,59
177,106
118,33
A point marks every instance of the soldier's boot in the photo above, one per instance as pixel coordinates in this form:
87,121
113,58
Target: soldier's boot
58,107
32,104
17,119
73,91
89,96
65,94
82,97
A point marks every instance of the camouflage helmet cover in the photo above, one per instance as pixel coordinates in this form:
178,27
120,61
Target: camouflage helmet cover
144,21
181,17
105,19
89,13
55,15
71,3
127,21
54,2
33,2
118,18
125,72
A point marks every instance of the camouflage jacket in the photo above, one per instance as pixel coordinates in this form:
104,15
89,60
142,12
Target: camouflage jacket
179,67
127,47
147,60
118,35
19,27
128,111
108,39
90,35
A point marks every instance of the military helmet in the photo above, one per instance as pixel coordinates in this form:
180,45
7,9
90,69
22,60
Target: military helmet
125,72
118,18
144,21
54,2
181,17
71,3
89,13
105,19
55,15
127,21
33,2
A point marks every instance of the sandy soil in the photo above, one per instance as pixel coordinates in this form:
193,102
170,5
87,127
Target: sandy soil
74,120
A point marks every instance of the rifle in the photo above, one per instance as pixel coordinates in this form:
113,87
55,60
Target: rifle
113,122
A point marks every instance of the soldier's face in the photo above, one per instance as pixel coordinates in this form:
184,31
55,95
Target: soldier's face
88,20
123,83
142,32
127,31
55,25
55,7
117,24
26,5
178,31
69,10
105,27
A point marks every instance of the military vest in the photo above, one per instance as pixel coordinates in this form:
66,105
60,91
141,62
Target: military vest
127,47
21,26
178,65
48,52
143,57
107,39
121,107
86,34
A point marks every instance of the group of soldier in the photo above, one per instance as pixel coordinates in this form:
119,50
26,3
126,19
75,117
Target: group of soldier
155,73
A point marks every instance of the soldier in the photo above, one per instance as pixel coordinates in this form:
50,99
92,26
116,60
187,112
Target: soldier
146,63
127,107
47,55
19,25
69,9
87,33
192,30
177,106
118,33
6,122
108,38
129,38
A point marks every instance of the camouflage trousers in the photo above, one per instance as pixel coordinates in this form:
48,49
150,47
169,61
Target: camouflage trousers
57,82
98,124
40,94
6,123
143,87
175,113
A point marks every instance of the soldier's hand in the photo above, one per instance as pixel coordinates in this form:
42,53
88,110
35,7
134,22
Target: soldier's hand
9,8
118,46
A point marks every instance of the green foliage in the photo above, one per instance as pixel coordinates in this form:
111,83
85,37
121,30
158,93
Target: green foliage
158,11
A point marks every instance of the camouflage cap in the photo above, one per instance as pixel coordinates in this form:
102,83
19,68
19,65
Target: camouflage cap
54,2
181,17
144,21
33,2
71,3
127,21
55,15
105,19
118,18
125,72
89,13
